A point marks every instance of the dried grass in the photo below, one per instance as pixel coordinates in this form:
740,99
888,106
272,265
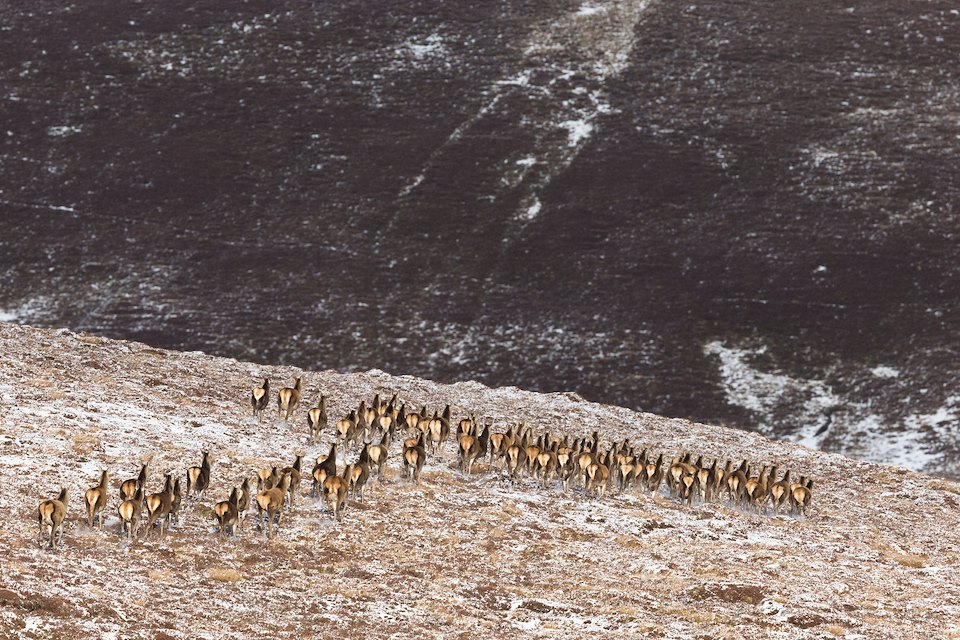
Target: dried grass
222,574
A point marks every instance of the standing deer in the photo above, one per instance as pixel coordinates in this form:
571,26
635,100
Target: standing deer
159,504
227,514
95,499
50,515
129,512
259,399
271,502
317,419
288,399
198,478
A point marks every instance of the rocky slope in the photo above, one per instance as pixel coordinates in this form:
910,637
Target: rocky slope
453,557
726,211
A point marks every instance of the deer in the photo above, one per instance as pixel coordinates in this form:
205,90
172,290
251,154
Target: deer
294,473
159,504
243,500
347,428
50,516
801,493
129,511
335,491
325,467
597,476
413,459
271,501
267,478
95,499
468,447
779,492
259,399
227,513
653,473
128,488
438,430
198,478
288,399
516,456
547,462
317,419
174,517
356,476
377,454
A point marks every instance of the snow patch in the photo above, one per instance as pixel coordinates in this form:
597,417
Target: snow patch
63,130
589,10
578,131
883,371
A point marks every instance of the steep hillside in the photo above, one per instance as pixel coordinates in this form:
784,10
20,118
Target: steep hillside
731,212
451,557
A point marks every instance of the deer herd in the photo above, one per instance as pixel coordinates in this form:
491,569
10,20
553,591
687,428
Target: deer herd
372,430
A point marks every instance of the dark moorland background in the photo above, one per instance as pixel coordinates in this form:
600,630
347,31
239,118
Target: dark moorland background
738,212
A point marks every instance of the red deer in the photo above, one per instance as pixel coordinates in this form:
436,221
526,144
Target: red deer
159,504
271,501
128,488
288,399
317,419
335,491
294,473
95,499
198,478
50,515
259,399
227,514
129,512
413,459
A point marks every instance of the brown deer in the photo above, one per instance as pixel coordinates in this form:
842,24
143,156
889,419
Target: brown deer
347,428
294,472
243,501
377,454
50,515
174,517
801,493
198,478
358,475
227,514
326,467
597,477
438,430
317,419
159,504
335,491
259,399
95,499
129,511
413,460
779,492
468,447
288,399
271,501
267,478
128,488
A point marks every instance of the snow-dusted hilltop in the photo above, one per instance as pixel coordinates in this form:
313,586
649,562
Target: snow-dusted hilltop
452,556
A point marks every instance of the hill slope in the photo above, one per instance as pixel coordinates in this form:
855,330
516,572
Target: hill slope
451,557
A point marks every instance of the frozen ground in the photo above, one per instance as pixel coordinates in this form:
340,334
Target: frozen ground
559,194
453,557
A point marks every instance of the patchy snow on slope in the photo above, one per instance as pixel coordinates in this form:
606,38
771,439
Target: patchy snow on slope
481,553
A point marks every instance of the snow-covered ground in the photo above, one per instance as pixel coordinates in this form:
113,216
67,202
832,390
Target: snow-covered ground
453,555
816,413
